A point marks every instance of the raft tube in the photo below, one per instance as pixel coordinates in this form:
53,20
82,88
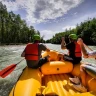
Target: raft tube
28,84
36,82
56,67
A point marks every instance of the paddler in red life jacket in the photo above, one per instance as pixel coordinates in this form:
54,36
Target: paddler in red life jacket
75,55
86,69
32,53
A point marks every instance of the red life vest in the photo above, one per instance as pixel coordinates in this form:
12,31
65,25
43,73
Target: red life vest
31,51
77,50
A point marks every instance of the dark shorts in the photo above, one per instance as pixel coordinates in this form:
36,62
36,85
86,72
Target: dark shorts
74,60
40,63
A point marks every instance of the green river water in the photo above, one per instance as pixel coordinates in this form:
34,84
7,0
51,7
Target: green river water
11,54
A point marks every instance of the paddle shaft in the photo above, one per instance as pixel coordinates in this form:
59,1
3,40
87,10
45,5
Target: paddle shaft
20,61
6,71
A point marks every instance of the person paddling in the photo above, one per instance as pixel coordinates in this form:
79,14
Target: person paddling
73,48
80,83
32,53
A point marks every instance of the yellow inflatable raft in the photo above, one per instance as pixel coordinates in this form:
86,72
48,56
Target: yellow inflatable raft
52,79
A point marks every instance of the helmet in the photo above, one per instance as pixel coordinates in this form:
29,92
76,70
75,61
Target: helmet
36,37
73,36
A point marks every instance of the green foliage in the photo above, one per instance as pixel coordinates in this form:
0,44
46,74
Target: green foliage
86,30
13,29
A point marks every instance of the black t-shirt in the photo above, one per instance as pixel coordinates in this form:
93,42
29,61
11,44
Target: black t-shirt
71,48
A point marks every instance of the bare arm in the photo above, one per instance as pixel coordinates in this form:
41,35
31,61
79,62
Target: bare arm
63,44
84,51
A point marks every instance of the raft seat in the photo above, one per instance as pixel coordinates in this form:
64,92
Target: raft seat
56,67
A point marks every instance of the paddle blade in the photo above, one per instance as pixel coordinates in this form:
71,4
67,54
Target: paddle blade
6,71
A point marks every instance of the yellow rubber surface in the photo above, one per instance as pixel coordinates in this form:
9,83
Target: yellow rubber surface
59,85
76,70
53,55
28,84
56,67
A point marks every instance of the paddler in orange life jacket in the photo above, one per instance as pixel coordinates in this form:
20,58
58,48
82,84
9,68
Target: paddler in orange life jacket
32,53
86,69
75,55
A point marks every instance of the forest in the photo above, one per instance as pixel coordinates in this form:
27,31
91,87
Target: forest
14,30
85,30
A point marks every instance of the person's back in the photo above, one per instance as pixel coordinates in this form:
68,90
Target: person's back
34,63
74,49
32,53
74,52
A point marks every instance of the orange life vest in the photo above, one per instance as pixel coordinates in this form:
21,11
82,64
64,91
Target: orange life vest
77,50
31,51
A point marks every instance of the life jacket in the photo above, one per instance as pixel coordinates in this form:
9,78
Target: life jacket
31,52
77,50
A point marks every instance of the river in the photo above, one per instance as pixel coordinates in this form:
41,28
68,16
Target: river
11,55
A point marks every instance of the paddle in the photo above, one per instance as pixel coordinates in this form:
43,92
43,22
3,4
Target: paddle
6,71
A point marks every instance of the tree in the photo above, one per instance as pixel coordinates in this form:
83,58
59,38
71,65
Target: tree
86,30
13,29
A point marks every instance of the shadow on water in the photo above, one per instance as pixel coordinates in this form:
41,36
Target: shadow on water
10,55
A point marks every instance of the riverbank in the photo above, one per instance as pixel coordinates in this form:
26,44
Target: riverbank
12,44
